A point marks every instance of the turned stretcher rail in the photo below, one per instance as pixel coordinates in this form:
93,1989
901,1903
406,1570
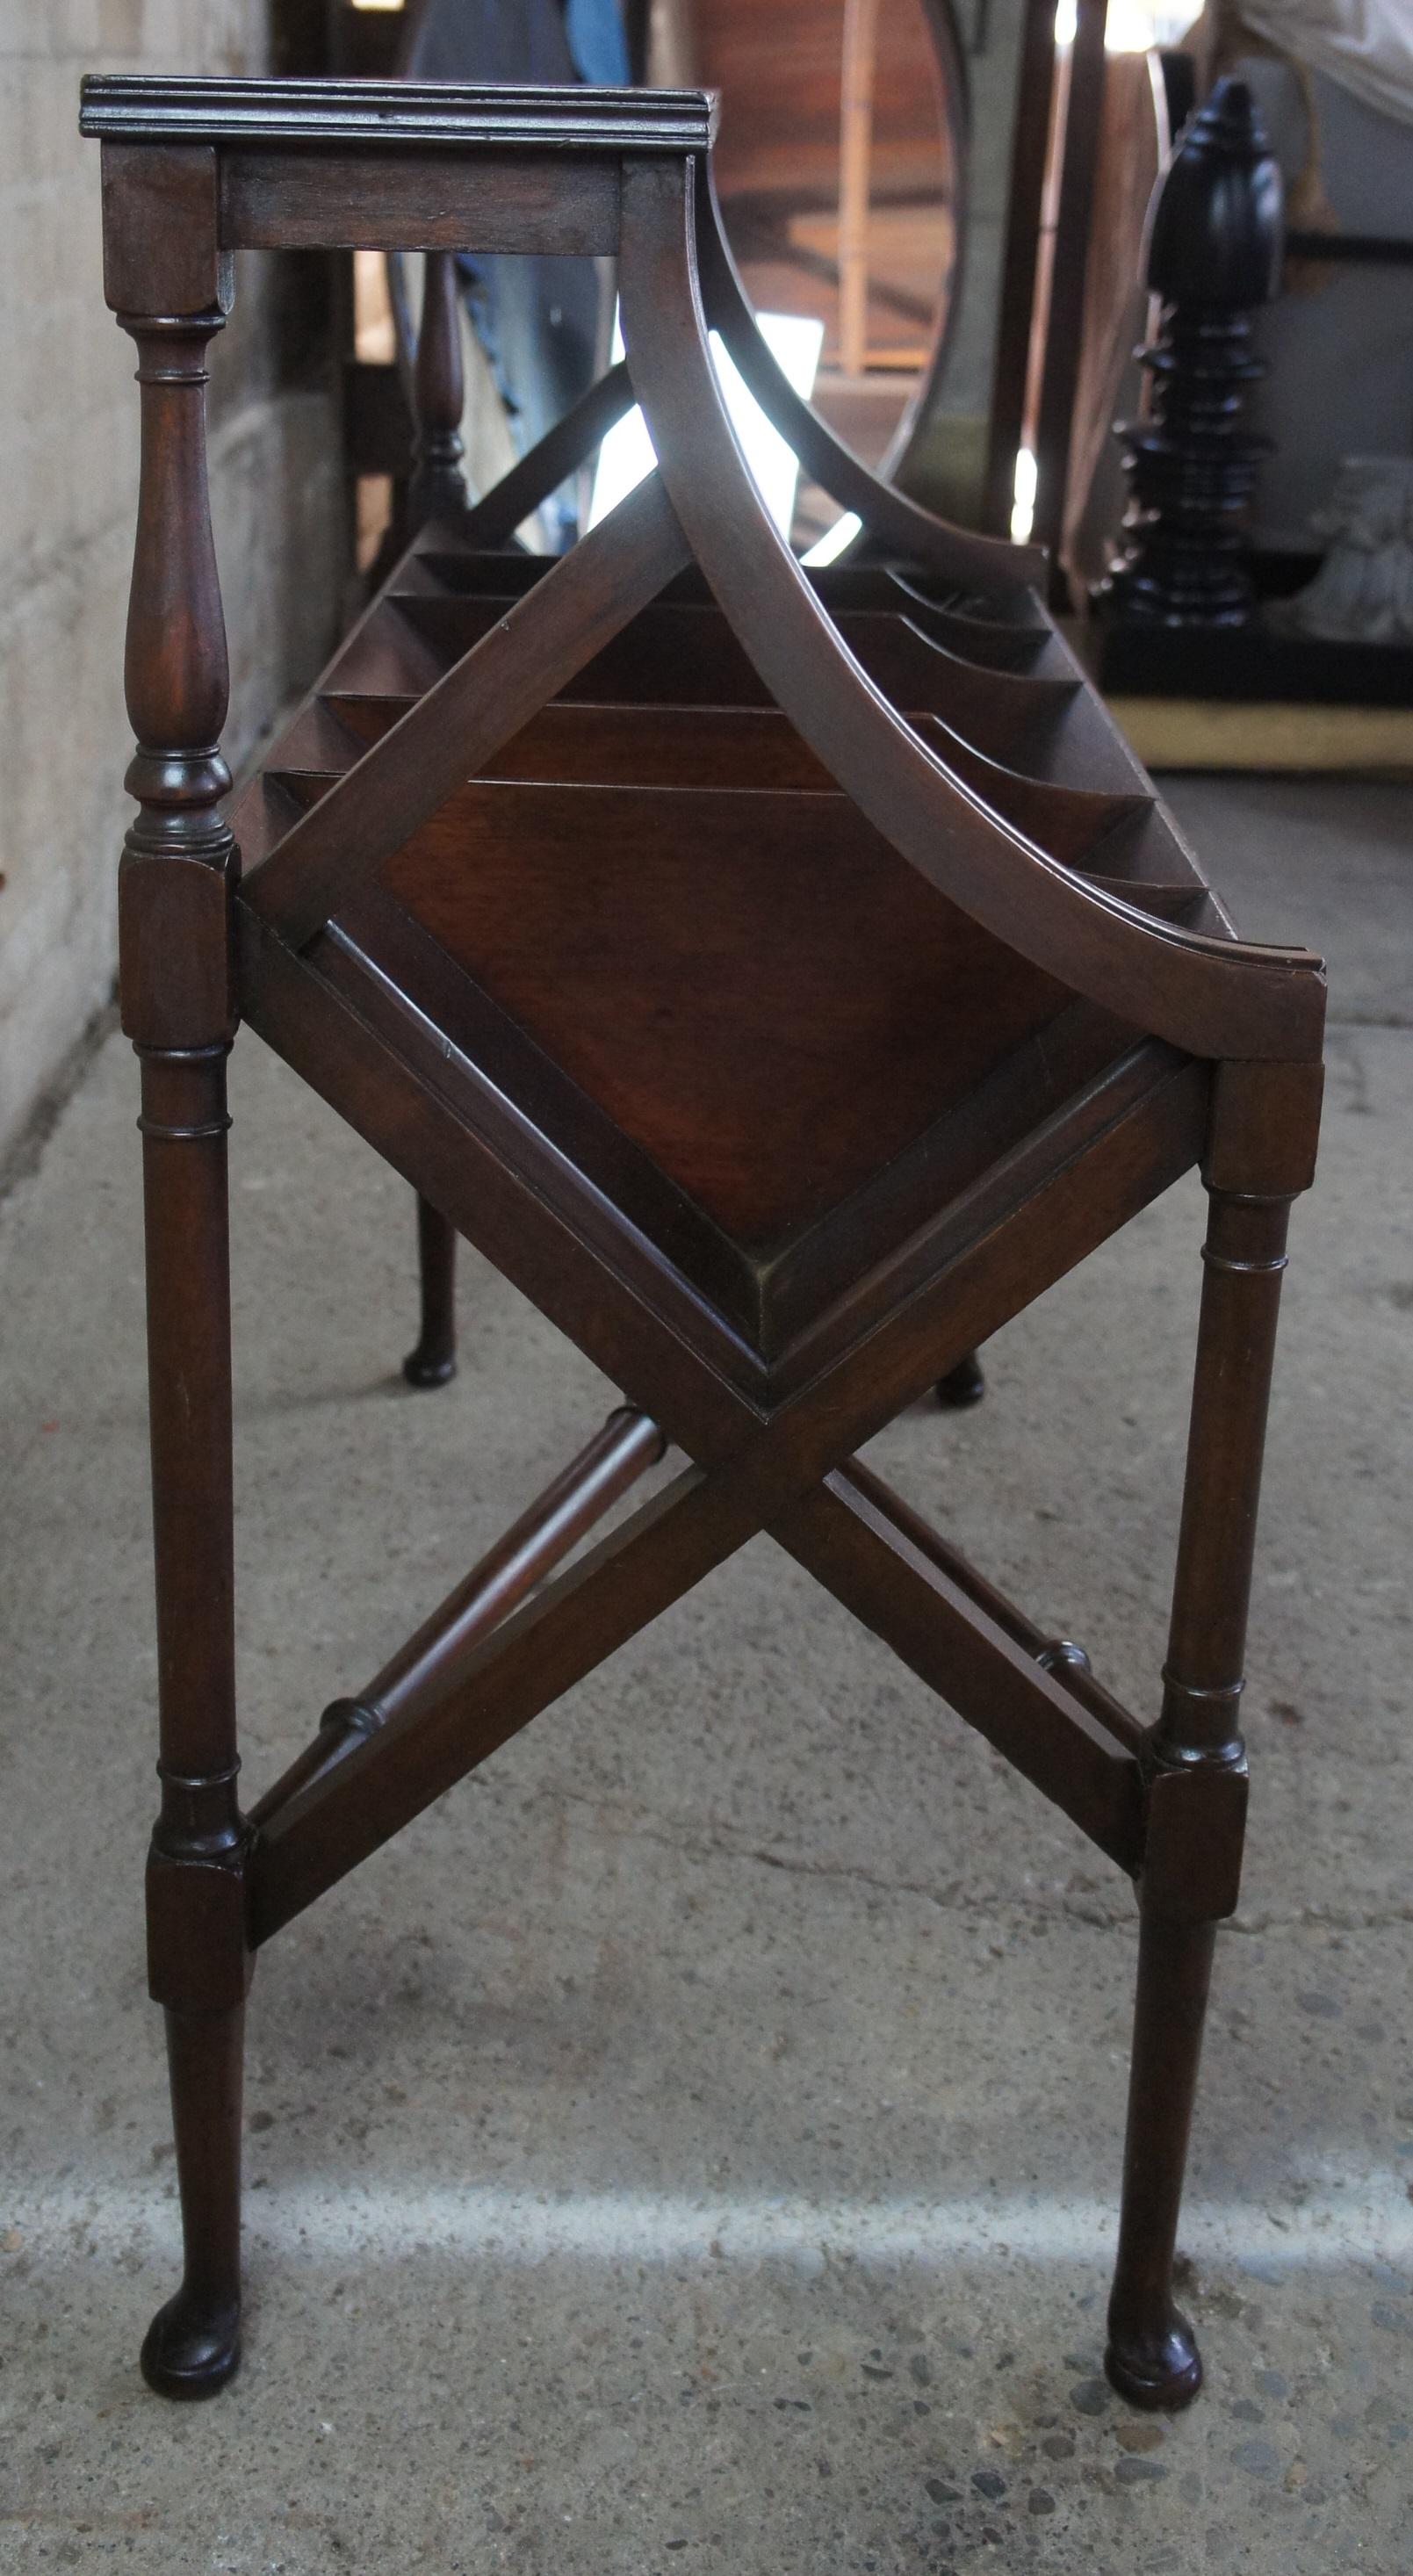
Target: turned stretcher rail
1053,1654
431,1661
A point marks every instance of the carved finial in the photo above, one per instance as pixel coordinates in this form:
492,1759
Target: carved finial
1214,256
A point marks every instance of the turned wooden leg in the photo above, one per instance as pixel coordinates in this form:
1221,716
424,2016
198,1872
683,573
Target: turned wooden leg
198,1960
434,1359
962,1386
192,2346
1197,1793
179,1003
438,486
1152,2357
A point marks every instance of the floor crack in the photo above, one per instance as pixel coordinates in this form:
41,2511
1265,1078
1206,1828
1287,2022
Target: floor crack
1325,1918
1084,1905
949,1898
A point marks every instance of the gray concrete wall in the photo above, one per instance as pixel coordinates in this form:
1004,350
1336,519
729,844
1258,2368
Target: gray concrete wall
68,464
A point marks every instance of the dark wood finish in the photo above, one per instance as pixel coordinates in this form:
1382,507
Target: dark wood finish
192,2346
1152,2357
1262,1141
779,1049
525,658
355,200
437,490
1255,664
433,1661
1064,319
688,655
438,486
1052,1654
1020,265
1140,114
517,882
432,1360
532,1208
398,121
1199,993
852,1536
1214,258
963,1386
178,869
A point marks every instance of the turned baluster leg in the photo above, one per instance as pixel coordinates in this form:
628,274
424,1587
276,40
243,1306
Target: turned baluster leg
178,869
198,1962
1197,1797
438,484
438,488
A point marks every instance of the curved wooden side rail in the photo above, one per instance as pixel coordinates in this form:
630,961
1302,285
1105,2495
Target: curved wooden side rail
1212,997
958,554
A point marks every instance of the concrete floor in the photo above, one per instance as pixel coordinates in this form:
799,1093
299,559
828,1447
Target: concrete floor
694,2145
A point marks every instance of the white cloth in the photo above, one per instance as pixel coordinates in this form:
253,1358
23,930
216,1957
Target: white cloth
1365,45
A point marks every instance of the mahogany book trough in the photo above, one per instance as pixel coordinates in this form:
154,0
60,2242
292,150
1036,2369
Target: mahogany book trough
783,977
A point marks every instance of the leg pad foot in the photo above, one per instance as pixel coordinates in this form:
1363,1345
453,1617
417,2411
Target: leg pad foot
962,1386
1160,2370
191,2351
428,1368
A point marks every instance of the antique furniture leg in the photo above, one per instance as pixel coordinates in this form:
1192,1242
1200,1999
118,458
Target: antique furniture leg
962,1386
438,487
192,2346
176,879
434,1359
1197,1799
197,1953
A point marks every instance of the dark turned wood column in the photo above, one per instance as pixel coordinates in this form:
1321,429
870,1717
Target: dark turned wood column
1214,258
178,868
438,487
439,384
1260,1157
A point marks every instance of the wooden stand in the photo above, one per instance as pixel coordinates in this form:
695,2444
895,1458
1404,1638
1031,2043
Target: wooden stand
782,978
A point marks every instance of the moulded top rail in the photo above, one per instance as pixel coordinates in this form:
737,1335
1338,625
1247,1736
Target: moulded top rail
124,107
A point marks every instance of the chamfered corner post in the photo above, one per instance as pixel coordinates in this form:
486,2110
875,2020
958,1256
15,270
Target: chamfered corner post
1260,1156
437,489
169,286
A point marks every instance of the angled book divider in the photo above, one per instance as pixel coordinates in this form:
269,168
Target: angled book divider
782,978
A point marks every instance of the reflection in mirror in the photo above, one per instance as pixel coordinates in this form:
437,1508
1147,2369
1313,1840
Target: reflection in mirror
881,165
873,162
